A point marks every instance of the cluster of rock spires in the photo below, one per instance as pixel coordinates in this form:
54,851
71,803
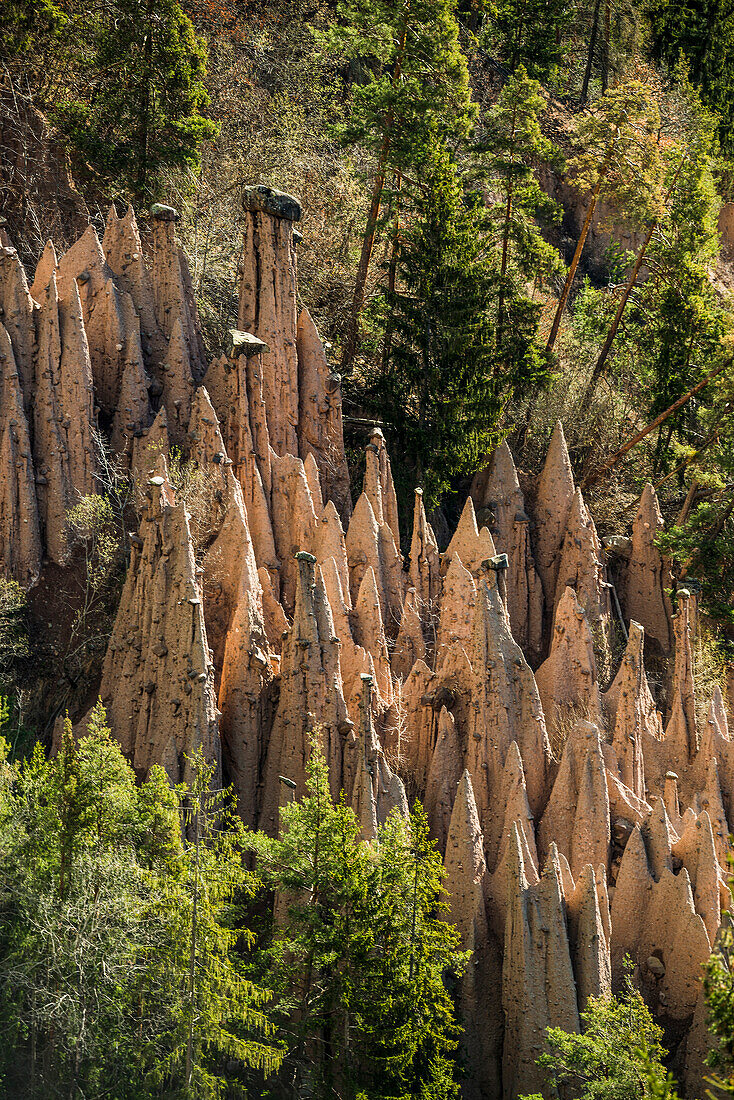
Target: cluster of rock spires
578,826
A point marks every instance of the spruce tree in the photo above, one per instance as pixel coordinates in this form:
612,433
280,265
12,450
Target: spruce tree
141,109
448,377
97,889
701,32
531,33
416,84
358,950
512,146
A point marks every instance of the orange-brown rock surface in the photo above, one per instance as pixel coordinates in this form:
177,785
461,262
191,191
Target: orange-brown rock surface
499,502
648,582
20,535
158,677
574,829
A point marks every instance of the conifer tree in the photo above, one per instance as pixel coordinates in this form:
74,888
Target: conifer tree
701,32
417,84
97,888
531,33
146,94
449,373
512,146
617,1056
358,950
618,160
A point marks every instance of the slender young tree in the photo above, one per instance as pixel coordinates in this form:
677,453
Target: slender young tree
512,145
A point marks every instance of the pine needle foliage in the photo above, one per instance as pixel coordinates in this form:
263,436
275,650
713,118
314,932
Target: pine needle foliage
358,950
118,968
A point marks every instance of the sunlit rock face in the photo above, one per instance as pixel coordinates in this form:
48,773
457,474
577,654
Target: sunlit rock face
263,610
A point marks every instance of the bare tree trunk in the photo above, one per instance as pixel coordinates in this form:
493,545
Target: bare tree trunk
506,232
575,262
607,345
592,479
687,504
629,287
145,113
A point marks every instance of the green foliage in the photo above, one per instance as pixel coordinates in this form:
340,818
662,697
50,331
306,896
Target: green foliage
619,154
144,110
702,33
615,1057
14,642
95,530
512,147
718,984
415,81
26,24
531,33
447,378
99,930
358,951
124,80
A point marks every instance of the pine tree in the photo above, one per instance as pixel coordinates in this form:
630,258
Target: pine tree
701,32
26,25
143,110
416,84
358,951
618,160
447,379
618,1051
97,887
512,146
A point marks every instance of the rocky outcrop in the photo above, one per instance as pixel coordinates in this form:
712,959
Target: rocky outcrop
235,620
311,699
256,622
567,680
477,1006
577,817
320,429
505,707
20,535
581,567
538,988
500,505
552,504
370,544
472,545
443,778
268,306
158,676
425,562
648,581
63,421
123,252
17,318
173,296
635,714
